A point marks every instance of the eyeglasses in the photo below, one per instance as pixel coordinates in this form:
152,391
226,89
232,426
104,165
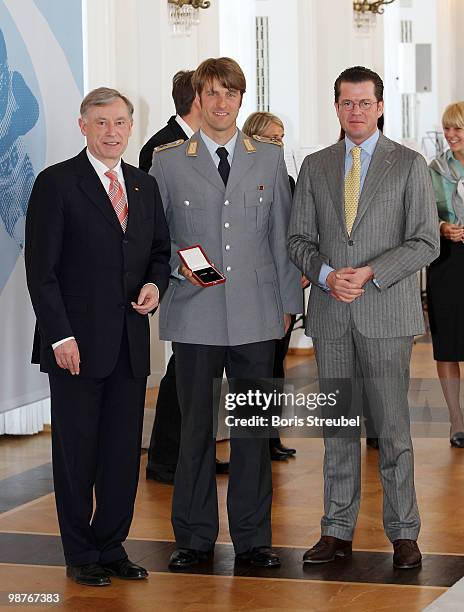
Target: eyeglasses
364,105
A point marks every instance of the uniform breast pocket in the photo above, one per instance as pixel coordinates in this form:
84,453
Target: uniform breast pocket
190,216
257,209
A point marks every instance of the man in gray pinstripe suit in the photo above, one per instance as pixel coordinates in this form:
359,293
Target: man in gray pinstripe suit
363,223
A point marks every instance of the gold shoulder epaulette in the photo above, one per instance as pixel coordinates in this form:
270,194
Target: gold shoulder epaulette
249,146
267,140
169,145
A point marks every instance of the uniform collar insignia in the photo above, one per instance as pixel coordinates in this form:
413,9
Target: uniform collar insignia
192,148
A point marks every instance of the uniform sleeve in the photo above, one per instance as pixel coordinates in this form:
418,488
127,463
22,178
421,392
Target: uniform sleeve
156,171
288,275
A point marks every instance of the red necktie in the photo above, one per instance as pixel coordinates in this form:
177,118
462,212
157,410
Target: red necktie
118,199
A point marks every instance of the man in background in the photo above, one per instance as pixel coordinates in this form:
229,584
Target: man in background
180,126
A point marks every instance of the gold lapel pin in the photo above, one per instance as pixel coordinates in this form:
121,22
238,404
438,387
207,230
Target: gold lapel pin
136,189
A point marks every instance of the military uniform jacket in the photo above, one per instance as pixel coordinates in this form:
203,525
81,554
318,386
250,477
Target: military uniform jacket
242,228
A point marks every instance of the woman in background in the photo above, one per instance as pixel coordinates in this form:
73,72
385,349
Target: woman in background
445,290
270,126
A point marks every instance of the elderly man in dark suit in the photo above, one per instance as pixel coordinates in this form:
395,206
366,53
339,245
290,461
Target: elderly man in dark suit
97,253
362,225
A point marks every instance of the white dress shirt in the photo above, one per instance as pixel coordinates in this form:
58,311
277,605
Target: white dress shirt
185,126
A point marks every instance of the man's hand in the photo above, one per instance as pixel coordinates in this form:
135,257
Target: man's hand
287,322
343,286
453,232
188,274
346,284
304,282
67,356
147,301
362,275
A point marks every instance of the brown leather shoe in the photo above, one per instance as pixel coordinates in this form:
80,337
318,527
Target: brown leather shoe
407,554
327,549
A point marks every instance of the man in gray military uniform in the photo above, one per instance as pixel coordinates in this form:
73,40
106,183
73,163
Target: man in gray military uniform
230,194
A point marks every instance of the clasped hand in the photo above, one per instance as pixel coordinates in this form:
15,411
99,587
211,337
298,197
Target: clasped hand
346,284
452,232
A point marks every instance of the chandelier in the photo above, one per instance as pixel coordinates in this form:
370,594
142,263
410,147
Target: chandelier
365,12
184,14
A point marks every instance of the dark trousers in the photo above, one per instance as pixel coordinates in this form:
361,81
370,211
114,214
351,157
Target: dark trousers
249,495
281,350
165,436
96,433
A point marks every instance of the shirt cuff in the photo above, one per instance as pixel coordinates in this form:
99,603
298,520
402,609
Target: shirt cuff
56,344
177,274
323,274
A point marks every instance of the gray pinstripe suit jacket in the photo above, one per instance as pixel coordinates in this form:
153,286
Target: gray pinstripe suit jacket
395,232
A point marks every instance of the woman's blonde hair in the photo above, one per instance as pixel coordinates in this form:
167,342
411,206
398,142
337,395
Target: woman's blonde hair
256,123
454,115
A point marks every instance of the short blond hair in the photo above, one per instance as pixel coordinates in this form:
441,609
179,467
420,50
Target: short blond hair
256,123
453,115
103,96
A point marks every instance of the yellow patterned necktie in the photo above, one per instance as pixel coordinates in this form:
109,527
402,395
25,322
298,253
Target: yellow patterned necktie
352,189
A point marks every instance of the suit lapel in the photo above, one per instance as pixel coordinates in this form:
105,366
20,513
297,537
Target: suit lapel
381,163
335,173
203,163
133,196
241,164
94,190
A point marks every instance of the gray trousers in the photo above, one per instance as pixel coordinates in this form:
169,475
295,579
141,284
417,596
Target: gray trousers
383,365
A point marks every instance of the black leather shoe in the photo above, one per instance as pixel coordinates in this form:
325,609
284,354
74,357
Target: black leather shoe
186,557
406,554
373,443
262,556
91,574
164,476
284,449
327,549
277,455
457,439
125,569
222,467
